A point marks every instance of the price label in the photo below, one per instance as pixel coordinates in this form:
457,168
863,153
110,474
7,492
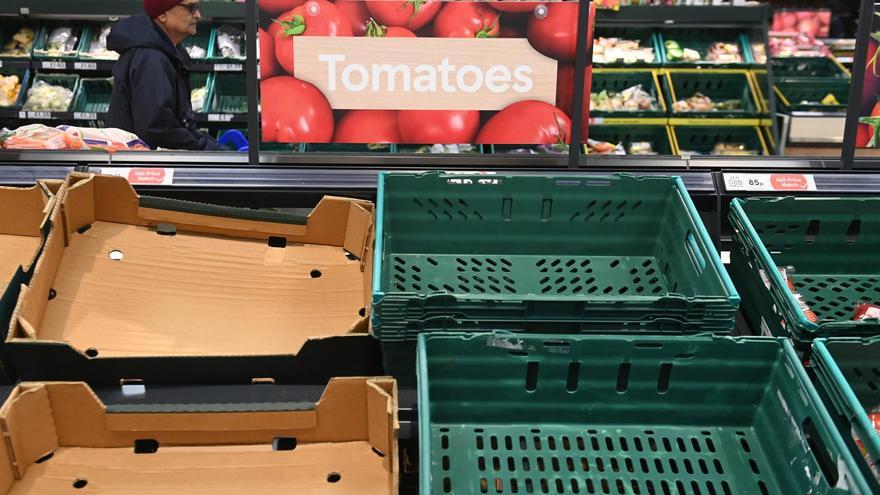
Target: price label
85,116
85,66
50,64
143,176
39,115
769,182
220,117
22,115
228,67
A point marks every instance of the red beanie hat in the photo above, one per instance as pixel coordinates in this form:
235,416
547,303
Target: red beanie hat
155,8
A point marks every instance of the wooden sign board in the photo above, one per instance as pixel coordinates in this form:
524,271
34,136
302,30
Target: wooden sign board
424,73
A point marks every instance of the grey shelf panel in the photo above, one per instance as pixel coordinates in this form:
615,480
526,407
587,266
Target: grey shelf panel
98,9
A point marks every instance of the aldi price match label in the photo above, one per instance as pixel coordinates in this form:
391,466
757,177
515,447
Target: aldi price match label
143,176
769,182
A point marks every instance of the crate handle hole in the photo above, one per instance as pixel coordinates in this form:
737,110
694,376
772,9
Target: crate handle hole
277,242
812,231
820,452
284,443
146,446
574,372
80,483
852,233
532,376
334,477
663,379
623,377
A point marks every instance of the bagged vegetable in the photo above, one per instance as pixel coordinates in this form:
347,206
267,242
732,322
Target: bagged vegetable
61,41
230,41
10,86
110,139
98,46
41,137
46,97
197,98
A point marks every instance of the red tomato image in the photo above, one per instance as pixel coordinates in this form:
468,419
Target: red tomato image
294,111
514,6
275,7
527,122
368,126
438,126
357,13
552,30
374,30
268,64
411,14
313,18
466,20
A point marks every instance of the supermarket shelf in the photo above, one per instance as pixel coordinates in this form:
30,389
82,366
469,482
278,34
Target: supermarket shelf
62,116
684,15
105,9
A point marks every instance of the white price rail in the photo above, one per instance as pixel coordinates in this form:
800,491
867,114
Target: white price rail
143,176
781,182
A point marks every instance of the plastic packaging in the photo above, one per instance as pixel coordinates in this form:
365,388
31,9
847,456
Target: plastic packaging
197,98
787,272
46,97
230,41
98,46
632,99
61,41
10,86
110,139
865,311
613,50
41,137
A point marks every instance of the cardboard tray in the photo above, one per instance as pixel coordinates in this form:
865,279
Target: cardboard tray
61,438
202,294
23,218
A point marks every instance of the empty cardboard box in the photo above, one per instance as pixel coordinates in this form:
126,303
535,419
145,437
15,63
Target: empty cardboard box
148,289
23,215
62,439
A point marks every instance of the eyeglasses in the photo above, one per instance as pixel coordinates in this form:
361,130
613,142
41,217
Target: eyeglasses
192,8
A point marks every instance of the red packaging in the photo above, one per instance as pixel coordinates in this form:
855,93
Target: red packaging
865,311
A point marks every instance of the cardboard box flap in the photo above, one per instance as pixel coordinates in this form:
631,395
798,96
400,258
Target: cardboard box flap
22,211
358,228
382,404
27,421
211,421
299,217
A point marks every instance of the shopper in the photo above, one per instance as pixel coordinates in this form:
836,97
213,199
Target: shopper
151,90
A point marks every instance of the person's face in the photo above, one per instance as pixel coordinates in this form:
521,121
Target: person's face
182,20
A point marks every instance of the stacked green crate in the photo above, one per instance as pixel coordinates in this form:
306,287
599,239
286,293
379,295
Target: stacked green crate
59,40
67,81
94,95
503,413
614,96
542,254
228,94
812,84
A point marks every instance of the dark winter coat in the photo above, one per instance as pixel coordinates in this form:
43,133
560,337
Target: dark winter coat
151,90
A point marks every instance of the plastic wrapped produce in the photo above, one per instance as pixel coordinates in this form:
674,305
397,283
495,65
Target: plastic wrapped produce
110,139
702,103
10,86
631,99
197,98
20,44
98,45
725,53
46,97
230,41
41,137
605,148
614,50
61,41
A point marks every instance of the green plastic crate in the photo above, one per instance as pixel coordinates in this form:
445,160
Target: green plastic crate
657,135
203,38
763,88
848,370
94,95
229,94
214,54
617,80
69,81
8,29
806,95
645,36
832,243
502,413
701,140
90,35
39,51
701,39
718,84
812,67
573,252
24,76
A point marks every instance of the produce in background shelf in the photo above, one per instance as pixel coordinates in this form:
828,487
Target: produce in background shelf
197,98
20,45
46,97
632,99
725,53
702,103
230,41
617,50
98,45
733,149
605,148
61,41
10,86
801,45
641,148
675,53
